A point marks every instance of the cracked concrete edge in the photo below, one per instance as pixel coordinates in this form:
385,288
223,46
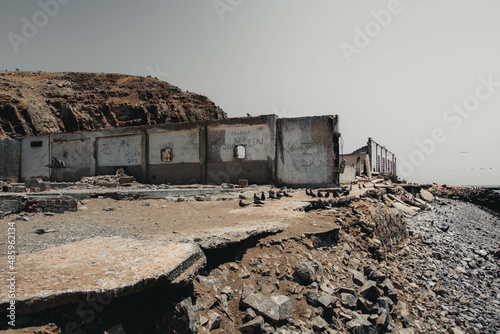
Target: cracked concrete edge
228,239
182,275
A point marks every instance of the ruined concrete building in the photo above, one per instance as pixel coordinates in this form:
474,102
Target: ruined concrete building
264,149
371,158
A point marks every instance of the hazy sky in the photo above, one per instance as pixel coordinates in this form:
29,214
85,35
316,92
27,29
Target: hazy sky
421,77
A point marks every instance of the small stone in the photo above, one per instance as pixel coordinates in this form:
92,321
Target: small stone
348,300
276,307
185,317
249,315
285,306
383,303
312,298
364,305
370,291
456,330
360,326
347,290
437,256
234,267
227,290
319,324
327,288
253,326
326,300
305,272
358,278
214,320
146,204
383,319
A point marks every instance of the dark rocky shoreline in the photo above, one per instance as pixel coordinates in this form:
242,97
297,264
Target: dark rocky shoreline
454,260
483,197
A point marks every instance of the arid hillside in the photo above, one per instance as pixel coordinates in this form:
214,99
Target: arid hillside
37,103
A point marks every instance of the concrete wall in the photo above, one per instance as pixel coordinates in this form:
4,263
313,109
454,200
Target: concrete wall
257,138
307,151
359,161
35,154
184,143
10,159
349,173
76,151
215,151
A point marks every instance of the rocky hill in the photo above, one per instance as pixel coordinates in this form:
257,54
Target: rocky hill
38,103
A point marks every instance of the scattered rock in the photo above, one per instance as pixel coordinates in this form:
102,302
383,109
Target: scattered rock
276,307
319,324
360,326
348,300
370,291
253,326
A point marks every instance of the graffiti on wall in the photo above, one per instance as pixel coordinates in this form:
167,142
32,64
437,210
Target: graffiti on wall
119,151
244,137
306,156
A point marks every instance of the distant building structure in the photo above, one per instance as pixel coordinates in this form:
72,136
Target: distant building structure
371,158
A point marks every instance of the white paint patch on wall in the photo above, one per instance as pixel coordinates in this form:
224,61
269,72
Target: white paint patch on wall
119,151
75,153
349,174
255,139
185,146
35,154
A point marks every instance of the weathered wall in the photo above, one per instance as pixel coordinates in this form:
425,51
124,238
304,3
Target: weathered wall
35,154
359,161
307,151
256,136
10,158
76,151
349,173
195,152
183,164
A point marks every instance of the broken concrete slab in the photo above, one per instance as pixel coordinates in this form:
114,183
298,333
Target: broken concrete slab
405,208
427,196
98,268
223,237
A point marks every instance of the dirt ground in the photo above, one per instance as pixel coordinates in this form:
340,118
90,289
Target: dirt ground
161,219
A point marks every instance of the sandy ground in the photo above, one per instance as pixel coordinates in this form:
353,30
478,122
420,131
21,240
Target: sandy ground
162,219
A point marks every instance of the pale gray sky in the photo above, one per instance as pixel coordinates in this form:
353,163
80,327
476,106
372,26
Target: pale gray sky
390,69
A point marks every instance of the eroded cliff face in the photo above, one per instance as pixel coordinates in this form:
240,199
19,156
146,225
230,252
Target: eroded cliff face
39,103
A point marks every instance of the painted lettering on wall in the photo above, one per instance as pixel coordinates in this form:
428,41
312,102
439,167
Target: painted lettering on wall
119,151
306,155
242,140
